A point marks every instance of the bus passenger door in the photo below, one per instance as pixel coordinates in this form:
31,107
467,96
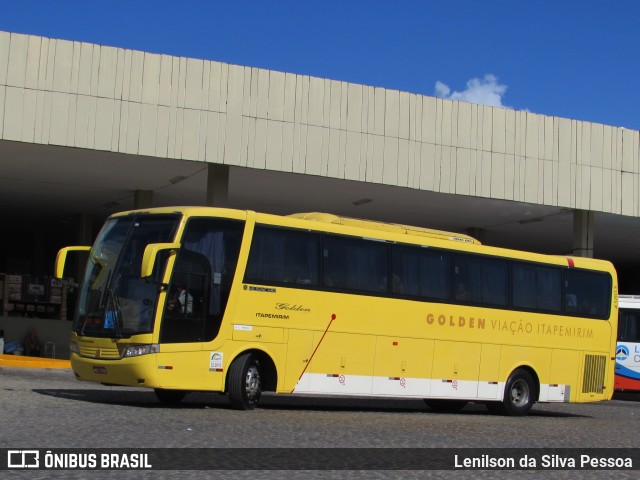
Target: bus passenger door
181,360
184,327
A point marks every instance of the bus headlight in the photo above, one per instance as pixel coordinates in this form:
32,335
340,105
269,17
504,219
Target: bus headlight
73,346
137,350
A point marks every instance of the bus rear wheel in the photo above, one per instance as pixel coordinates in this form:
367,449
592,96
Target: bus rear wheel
245,382
519,395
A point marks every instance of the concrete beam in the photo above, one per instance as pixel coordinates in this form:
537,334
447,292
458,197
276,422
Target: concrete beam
143,199
218,185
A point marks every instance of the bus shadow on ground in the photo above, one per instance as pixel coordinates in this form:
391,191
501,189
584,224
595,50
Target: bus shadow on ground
204,400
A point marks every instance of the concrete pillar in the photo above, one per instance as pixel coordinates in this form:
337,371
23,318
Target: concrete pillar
143,199
583,222
218,185
84,236
84,231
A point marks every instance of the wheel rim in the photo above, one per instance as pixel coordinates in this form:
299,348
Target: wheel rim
519,393
252,385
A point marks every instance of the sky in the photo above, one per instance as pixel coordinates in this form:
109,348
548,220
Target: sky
565,58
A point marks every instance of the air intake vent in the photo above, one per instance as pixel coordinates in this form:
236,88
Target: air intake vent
100,353
594,371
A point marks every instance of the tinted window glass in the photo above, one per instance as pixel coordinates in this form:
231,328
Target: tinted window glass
629,326
201,280
587,293
481,280
283,256
419,272
537,287
355,264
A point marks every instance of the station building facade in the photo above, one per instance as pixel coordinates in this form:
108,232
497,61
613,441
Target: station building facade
87,130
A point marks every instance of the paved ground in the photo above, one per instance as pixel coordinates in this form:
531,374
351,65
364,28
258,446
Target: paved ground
48,408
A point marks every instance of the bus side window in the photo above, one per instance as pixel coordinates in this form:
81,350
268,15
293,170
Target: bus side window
281,256
587,293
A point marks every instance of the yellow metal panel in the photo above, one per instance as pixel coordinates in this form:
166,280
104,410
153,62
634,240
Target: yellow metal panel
403,357
252,333
563,370
538,359
186,370
489,363
300,348
343,353
456,360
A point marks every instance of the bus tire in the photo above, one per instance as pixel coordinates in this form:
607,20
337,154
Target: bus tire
169,397
519,394
445,406
245,382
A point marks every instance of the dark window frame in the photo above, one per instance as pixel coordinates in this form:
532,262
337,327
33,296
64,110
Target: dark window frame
431,252
201,318
384,280
298,232
459,298
452,253
555,268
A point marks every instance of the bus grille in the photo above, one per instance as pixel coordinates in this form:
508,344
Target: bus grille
594,371
101,353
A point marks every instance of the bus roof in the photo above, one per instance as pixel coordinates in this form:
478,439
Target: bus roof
386,227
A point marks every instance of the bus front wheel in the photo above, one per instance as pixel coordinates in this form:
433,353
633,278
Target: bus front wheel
519,395
245,382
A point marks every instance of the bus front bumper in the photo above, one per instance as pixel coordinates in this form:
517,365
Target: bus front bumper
131,372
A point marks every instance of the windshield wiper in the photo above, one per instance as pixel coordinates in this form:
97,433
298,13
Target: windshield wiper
84,323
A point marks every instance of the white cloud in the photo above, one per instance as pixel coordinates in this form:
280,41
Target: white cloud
485,91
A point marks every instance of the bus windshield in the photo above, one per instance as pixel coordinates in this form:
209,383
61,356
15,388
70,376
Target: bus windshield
114,301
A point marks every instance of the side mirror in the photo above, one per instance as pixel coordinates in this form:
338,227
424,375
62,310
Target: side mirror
61,258
151,253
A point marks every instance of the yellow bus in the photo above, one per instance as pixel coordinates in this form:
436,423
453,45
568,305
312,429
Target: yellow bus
208,299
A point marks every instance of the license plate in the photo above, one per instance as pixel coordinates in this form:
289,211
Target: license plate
100,370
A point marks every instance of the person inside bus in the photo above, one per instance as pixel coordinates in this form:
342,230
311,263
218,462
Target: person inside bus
181,301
